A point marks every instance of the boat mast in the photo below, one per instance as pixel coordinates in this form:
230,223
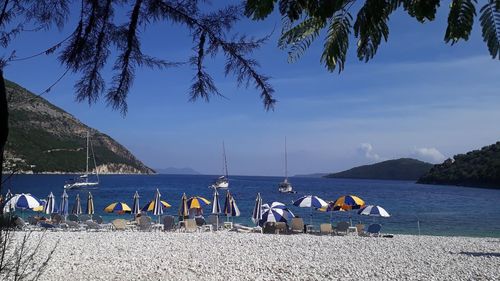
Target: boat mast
95,163
87,167
224,156
286,163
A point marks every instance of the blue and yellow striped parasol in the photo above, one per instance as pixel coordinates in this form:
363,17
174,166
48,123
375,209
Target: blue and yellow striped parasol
151,206
348,202
118,207
197,202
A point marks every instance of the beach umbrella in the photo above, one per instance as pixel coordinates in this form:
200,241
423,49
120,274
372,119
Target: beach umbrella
158,205
8,195
216,210
150,206
374,211
310,201
118,207
230,207
63,209
90,205
276,212
197,203
257,210
50,205
349,202
330,208
21,201
136,209
183,208
77,207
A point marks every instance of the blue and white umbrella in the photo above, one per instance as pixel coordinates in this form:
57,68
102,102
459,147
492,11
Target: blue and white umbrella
257,210
230,207
50,205
136,209
64,209
8,195
77,207
216,209
158,206
374,211
277,212
310,201
21,201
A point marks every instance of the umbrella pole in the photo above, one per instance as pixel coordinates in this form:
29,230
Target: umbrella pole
311,215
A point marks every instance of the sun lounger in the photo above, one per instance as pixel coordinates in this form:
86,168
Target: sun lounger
342,228
73,217
83,218
119,224
326,228
214,221
199,221
281,228
360,229
297,225
73,225
32,221
145,224
57,219
93,226
190,225
168,223
98,219
374,230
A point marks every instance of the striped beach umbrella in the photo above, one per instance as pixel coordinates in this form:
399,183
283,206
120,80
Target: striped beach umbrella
25,201
230,207
310,201
183,208
50,205
197,202
90,205
77,206
276,212
216,210
8,195
158,206
257,209
150,206
136,209
63,209
118,207
349,202
374,211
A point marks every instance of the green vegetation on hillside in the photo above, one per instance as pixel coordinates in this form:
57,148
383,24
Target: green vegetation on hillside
479,168
398,169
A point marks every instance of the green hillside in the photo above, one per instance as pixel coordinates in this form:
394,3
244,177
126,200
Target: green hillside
398,169
480,168
45,138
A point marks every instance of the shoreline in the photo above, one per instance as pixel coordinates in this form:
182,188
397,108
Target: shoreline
227,255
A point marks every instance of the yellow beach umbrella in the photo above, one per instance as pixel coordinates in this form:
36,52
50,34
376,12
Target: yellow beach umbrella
151,206
118,207
197,202
348,202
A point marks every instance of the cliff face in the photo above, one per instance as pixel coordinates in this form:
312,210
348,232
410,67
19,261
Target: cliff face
45,139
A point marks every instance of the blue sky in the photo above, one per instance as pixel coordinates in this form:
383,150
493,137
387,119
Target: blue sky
418,97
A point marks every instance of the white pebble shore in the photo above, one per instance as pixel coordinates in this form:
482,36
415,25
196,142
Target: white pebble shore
252,256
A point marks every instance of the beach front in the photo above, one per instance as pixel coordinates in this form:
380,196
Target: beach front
227,255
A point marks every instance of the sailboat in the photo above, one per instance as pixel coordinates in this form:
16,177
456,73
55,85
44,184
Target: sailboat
83,180
222,182
285,186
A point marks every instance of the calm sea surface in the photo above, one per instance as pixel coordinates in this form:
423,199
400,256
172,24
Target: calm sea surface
441,210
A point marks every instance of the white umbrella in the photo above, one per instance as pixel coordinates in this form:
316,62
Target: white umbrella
277,212
216,210
257,209
77,207
136,209
374,211
158,206
63,209
311,202
50,205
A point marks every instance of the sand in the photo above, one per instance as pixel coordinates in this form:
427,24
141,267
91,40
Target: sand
252,256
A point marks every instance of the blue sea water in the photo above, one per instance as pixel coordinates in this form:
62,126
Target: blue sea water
441,210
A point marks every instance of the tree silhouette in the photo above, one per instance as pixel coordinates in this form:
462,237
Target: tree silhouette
97,35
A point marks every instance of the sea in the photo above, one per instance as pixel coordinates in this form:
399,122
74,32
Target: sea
414,208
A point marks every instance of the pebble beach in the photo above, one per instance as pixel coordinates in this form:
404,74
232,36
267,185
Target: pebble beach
252,256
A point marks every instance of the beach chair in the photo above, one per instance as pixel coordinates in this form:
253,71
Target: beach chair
297,225
57,219
374,230
119,224
83,218
91,225
73,217
325,228
32,221
190,225
72,225
168,223
342,228
281,228
145,224
360,229
98,219
199,221
269,228
212,219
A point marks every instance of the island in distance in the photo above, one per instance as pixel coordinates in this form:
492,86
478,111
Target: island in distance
177,171
397,169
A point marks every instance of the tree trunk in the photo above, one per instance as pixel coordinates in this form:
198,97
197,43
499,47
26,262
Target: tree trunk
4,123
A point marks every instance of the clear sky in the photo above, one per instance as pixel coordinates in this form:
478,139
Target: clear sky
417,98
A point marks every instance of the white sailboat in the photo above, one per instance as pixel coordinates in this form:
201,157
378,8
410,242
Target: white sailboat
222,182
285,186
83,180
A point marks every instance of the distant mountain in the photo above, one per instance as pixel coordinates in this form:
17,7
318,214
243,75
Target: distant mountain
43,138
315,175
478,168
177,171
398,169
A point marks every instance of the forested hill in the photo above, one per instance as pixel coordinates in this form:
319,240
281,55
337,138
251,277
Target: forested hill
43,138
397,169
478,168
